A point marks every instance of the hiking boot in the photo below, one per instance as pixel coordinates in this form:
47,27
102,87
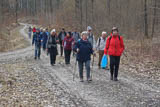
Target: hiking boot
111,78
115,79
81,79
89,79
52,64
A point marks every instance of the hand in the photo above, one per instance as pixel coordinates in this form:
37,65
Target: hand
57,40
94,54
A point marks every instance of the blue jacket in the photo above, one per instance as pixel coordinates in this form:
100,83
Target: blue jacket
45,37
85,52
37,38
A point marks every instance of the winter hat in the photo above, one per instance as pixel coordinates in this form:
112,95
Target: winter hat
89,28
53,30
104,32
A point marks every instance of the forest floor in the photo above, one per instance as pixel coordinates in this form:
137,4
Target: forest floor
25,82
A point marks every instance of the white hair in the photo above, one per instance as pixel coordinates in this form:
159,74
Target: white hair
104,32
53,30
84,33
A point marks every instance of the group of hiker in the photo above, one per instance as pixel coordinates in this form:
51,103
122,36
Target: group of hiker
83,46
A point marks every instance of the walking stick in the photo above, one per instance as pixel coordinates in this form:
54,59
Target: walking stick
74,69
92,67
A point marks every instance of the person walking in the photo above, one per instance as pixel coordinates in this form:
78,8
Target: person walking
37,40
34,30
45,39
52,47
61,37
101,43
114,48
67,44
84,49
76,37
29,32
91,37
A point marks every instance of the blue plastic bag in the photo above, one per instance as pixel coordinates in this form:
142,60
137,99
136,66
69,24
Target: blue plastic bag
104,62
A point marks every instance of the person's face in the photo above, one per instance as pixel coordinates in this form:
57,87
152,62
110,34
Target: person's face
104,35
89,31
53,33
63,30
115,32
68,35
84,37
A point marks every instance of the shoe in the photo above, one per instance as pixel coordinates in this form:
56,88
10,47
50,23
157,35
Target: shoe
35,58
52,64
111,78
81,79
89,79
115,79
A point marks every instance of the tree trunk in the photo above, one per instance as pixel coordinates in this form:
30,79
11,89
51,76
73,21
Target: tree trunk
154,17
145,19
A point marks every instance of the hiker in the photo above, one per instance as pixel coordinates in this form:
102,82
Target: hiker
29,32
76,37
114,48
84,50
52,47
34,30
61,37
47,32
91,37
101,43
67,44
37,40
45,38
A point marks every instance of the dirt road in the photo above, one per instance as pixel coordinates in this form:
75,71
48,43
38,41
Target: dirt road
130,91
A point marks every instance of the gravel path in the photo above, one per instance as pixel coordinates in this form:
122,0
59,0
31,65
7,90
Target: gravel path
130,91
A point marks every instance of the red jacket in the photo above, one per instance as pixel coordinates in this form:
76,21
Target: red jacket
34,30
67,43
114,46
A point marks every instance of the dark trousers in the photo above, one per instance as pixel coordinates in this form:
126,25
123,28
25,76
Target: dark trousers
114,65
61,49
44,46
67,56
53,53
87,66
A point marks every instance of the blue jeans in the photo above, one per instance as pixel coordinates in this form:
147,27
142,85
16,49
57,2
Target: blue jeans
29,35
37,51
87,66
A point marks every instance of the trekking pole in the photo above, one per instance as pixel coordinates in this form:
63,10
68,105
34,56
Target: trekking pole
92,66
74,72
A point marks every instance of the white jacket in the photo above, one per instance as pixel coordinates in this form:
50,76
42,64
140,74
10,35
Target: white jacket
102,44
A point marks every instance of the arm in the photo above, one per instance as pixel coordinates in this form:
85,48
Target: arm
122,44
106,47
97,45
76,46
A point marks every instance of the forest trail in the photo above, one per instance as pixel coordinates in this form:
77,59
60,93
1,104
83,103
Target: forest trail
129,91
